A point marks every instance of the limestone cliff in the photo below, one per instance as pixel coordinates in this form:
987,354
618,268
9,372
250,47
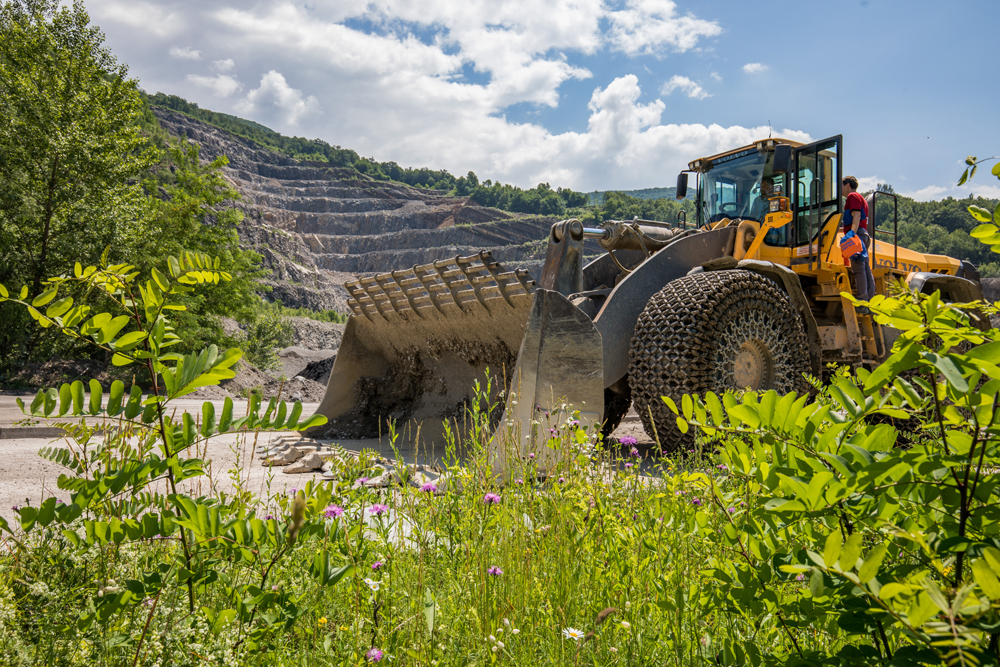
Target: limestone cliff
317,226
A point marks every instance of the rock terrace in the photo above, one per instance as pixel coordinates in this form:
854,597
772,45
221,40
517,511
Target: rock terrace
317,226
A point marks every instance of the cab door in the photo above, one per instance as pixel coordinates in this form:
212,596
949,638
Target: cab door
817,174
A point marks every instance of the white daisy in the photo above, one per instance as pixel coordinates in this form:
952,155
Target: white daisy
573,633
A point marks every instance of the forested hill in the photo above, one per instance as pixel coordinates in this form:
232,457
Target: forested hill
540,200
597,196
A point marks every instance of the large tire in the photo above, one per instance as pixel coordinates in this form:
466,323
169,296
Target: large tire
713,331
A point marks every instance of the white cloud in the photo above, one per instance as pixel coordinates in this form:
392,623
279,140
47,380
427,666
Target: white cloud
626,145
936,192
221,85
868,183
716,76
933,192
651,26
185,53
686,85
141,17
274,98
754,68
434,83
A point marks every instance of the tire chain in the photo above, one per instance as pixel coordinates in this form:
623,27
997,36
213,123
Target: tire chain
690,332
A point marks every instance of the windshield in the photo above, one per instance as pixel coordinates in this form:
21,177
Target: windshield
731,188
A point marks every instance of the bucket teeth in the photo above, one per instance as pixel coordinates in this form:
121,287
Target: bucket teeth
437,286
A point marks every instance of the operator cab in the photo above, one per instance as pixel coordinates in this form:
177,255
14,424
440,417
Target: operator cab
734,186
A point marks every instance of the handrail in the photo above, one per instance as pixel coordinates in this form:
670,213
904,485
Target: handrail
817,184
895,227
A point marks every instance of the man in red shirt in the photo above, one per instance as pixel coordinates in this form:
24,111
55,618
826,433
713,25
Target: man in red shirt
856,219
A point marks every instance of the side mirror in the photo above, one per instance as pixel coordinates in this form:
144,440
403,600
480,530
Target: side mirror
782,158
682,185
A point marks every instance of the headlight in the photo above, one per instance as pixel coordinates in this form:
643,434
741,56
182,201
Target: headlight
774,205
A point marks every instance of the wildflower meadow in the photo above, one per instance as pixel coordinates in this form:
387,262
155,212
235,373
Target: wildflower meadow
857,524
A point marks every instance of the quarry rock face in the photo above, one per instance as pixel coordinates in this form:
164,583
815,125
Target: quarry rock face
318,226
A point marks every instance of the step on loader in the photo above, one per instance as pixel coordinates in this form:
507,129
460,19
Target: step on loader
746,295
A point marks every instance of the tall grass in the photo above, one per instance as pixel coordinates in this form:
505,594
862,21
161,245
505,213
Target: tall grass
594,561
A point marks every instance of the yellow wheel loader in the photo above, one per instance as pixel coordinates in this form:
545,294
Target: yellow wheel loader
745,295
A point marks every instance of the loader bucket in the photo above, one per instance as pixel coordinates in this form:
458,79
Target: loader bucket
419,339
560,358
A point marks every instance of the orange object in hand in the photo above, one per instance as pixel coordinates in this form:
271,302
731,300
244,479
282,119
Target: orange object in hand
851,247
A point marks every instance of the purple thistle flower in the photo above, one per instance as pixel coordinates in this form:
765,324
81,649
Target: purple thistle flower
553,431
562,479
491,499
628,465
378,509
519,481
731,510
293,491
15,508
722,467
333,511
429,487
800,577
628,440
494,571
60,502
360,480
679,493
531,455
574,422
696,502
634,452
269,517
374,655
377,565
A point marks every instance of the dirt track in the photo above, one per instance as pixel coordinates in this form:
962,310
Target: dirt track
27,477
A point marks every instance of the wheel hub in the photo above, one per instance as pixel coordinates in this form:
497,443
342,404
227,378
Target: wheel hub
753,366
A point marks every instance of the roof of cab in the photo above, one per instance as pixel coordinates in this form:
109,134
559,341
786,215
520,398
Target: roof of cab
759,144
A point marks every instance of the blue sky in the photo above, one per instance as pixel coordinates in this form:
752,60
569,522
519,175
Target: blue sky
588,94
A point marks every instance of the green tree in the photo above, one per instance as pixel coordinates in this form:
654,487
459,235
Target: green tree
69,143
190,207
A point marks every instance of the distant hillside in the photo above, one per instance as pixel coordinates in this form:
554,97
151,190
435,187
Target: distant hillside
597,197
314,150
540,200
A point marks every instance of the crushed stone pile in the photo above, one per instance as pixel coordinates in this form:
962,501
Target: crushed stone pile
319,371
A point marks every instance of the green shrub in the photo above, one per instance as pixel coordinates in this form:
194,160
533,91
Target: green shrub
264,336
843,546
114,505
